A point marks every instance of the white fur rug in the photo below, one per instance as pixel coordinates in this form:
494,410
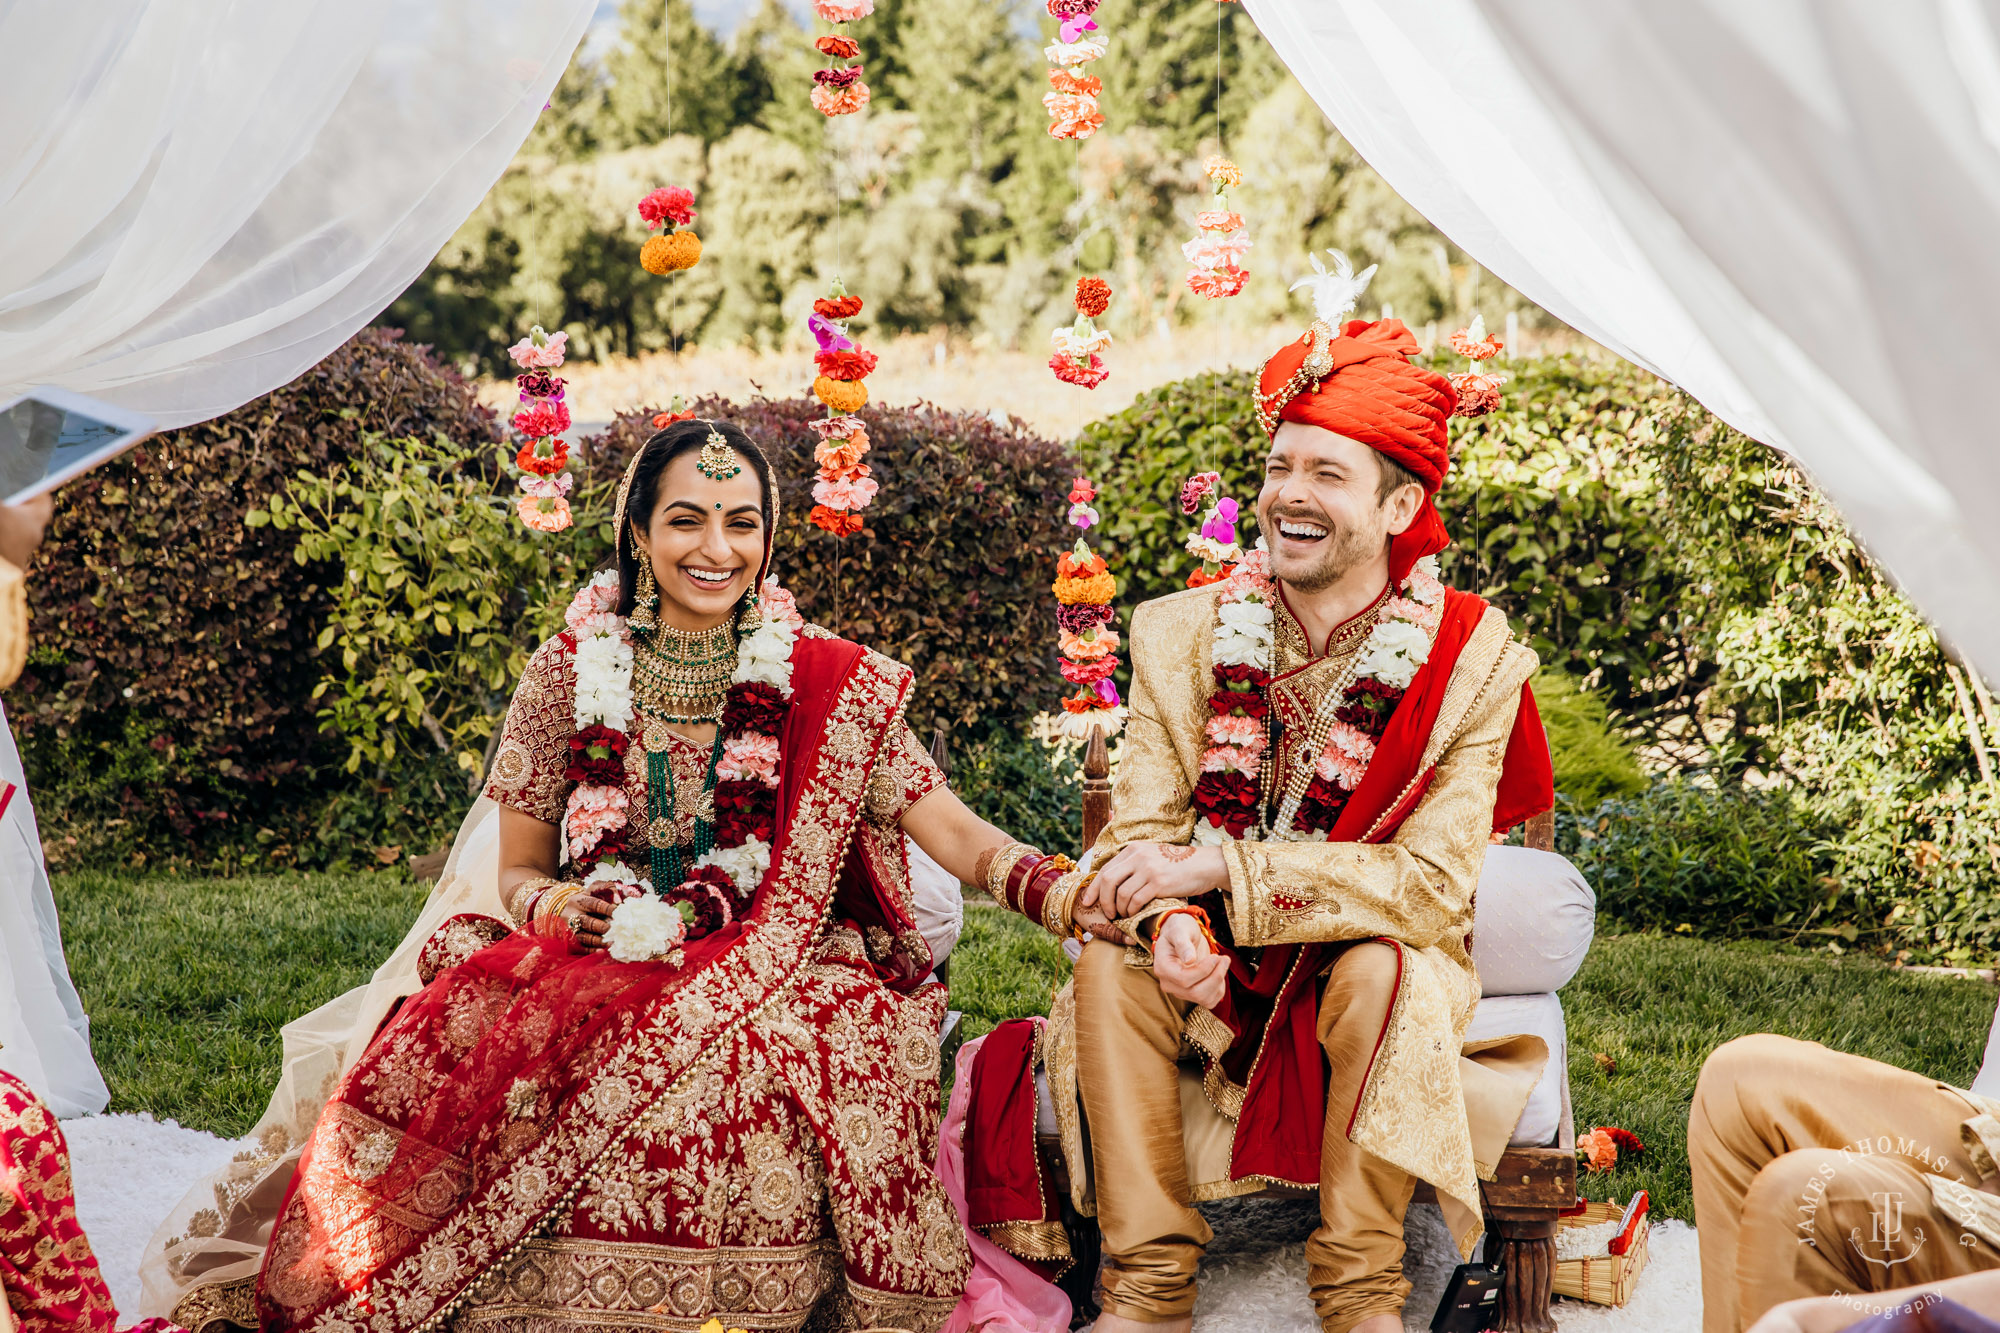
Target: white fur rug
131,1169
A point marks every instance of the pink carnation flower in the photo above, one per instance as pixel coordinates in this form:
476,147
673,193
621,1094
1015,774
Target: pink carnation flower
1211,219
837,11
1217,252
749,758
838,428
546,357
544,513
1079,649
779,604
1232,759
593,599
849,494
592,812
1232,730
1342,770
542,417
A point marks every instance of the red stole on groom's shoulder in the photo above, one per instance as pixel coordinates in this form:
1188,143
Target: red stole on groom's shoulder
1272,1006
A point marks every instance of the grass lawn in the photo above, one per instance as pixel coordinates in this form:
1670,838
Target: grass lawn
187,982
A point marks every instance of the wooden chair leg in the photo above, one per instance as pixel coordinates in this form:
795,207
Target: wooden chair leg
1525,1248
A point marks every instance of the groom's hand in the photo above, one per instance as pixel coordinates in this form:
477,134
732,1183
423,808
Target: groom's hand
1185,966
1143,871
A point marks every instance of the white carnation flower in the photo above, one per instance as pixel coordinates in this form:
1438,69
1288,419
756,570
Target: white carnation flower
1393,653
1423,584
744,865
644,928
1209,835
603,682
765,656
1246,614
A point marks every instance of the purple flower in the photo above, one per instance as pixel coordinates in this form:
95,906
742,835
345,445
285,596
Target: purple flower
831,339
1073,28
1225,509
1107,691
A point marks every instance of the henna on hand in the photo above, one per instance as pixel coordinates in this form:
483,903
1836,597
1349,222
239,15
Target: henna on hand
1176,851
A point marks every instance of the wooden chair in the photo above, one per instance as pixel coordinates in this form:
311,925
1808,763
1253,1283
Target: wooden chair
1521,1203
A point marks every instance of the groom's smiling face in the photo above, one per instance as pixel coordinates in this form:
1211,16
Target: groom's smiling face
1330,505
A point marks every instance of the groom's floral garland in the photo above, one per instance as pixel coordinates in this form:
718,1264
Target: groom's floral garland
1226,796
597,823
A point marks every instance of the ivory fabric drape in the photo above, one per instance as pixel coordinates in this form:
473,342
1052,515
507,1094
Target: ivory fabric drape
1788,208
200,199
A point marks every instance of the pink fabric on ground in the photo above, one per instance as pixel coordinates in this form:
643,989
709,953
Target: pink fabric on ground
1002,1295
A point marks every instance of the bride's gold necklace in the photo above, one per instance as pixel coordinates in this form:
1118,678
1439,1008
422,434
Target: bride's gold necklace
682,675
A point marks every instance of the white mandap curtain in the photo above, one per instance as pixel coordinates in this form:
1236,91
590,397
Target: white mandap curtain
1789,208
199,199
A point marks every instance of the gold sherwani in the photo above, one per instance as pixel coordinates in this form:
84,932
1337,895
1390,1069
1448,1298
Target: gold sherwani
1424,1107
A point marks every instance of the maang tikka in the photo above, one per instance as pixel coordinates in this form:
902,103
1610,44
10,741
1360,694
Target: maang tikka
718,461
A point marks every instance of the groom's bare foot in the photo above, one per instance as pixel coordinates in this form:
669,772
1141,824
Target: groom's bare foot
1118,1323
1379,1323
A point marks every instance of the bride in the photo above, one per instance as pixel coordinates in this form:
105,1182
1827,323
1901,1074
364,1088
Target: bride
700,1076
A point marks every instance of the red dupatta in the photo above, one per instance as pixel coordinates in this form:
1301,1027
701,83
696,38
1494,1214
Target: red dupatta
432,1163
1272,1003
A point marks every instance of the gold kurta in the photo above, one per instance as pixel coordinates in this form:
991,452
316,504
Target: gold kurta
1415,889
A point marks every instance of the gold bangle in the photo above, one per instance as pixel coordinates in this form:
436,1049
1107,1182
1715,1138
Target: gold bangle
1003,865
525,890
558,899
1057,916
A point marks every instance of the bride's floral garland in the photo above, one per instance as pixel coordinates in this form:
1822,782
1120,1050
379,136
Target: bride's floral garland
1226,796
652,922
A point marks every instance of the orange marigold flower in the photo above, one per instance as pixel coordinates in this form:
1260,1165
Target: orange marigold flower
838,47
1093,296
1222,171
833,521
1069,81
1097,590
853,364
837,307
841,395
829,101
670,253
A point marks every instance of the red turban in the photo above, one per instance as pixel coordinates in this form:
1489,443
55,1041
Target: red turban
1363,385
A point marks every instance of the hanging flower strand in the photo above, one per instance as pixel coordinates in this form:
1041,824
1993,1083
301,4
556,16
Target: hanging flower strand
1077,343
1220,243
1072,96
1213,542
838,89
1084,589
676,248
843,487
540,419
1478,388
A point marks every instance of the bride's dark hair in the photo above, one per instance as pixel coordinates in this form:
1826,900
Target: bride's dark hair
683,437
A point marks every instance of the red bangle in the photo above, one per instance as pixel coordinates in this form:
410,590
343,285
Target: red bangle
1199,914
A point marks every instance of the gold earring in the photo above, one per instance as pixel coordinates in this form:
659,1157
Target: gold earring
647,599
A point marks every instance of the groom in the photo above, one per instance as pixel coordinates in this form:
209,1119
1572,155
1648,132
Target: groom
1316,754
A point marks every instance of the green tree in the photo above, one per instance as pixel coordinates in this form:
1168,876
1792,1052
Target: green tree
777,58
668,75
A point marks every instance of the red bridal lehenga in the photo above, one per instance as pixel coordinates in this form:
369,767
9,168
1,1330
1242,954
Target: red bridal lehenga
547,1141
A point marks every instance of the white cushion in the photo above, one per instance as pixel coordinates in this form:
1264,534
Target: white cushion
1541,1015
1532,922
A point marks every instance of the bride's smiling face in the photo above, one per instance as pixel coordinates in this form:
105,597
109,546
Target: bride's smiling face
705,539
